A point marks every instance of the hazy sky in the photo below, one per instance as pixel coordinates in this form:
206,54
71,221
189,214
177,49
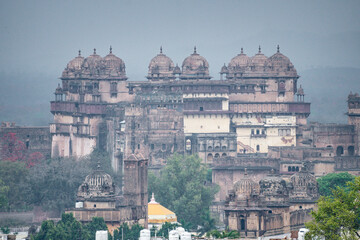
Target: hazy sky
42,36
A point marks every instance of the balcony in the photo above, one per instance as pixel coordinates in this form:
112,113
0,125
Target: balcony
258,135
60,128
75,107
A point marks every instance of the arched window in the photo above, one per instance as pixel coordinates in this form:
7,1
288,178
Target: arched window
223,148
257,131
257,147
293,169
217,148
297,169
339,151
209,148
289,169
223,155
351,150
242,224
210,157
217,155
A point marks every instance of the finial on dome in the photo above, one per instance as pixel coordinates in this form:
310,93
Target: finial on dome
160,49
194,49
242,51
278,48
245,172
152,200
94,51
79,53
110,49
259,49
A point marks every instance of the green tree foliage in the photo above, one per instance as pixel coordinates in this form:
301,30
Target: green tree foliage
13,175
333,180
129,233
338,216
3,194
166,228
182,188
224,234
53,184
96,224
69,228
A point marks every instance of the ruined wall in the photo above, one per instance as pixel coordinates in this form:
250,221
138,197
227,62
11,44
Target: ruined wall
36,139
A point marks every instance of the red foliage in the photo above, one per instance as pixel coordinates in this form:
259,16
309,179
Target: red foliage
15,150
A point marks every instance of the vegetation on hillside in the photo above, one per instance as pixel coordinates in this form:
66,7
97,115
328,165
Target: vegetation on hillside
183,188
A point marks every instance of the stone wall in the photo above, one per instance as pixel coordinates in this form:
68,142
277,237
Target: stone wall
36,139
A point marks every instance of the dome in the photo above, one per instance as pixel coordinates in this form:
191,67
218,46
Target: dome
76,63
158,214
177,69
259,60
245,187
241,60
73,67
304,185
195,67
161,67
273,185
113,66
224,70
300,91
92,64
58,90
280,63
97,184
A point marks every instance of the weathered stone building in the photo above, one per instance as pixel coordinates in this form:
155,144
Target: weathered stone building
254,118
99,196
254,105
270,206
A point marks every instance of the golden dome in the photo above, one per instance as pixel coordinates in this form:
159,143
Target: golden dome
158,213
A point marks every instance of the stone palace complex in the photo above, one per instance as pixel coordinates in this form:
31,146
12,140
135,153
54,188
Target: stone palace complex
250,126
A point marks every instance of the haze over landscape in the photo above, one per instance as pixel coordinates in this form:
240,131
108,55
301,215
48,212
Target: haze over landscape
40,37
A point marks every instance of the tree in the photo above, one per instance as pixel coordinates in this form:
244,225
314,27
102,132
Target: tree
97,224
14,150
331,181
182,187
13,175
224,234
69,228
166,228
338,215
3,194
129,233
53,184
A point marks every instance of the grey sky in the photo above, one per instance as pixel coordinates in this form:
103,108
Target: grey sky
42,36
